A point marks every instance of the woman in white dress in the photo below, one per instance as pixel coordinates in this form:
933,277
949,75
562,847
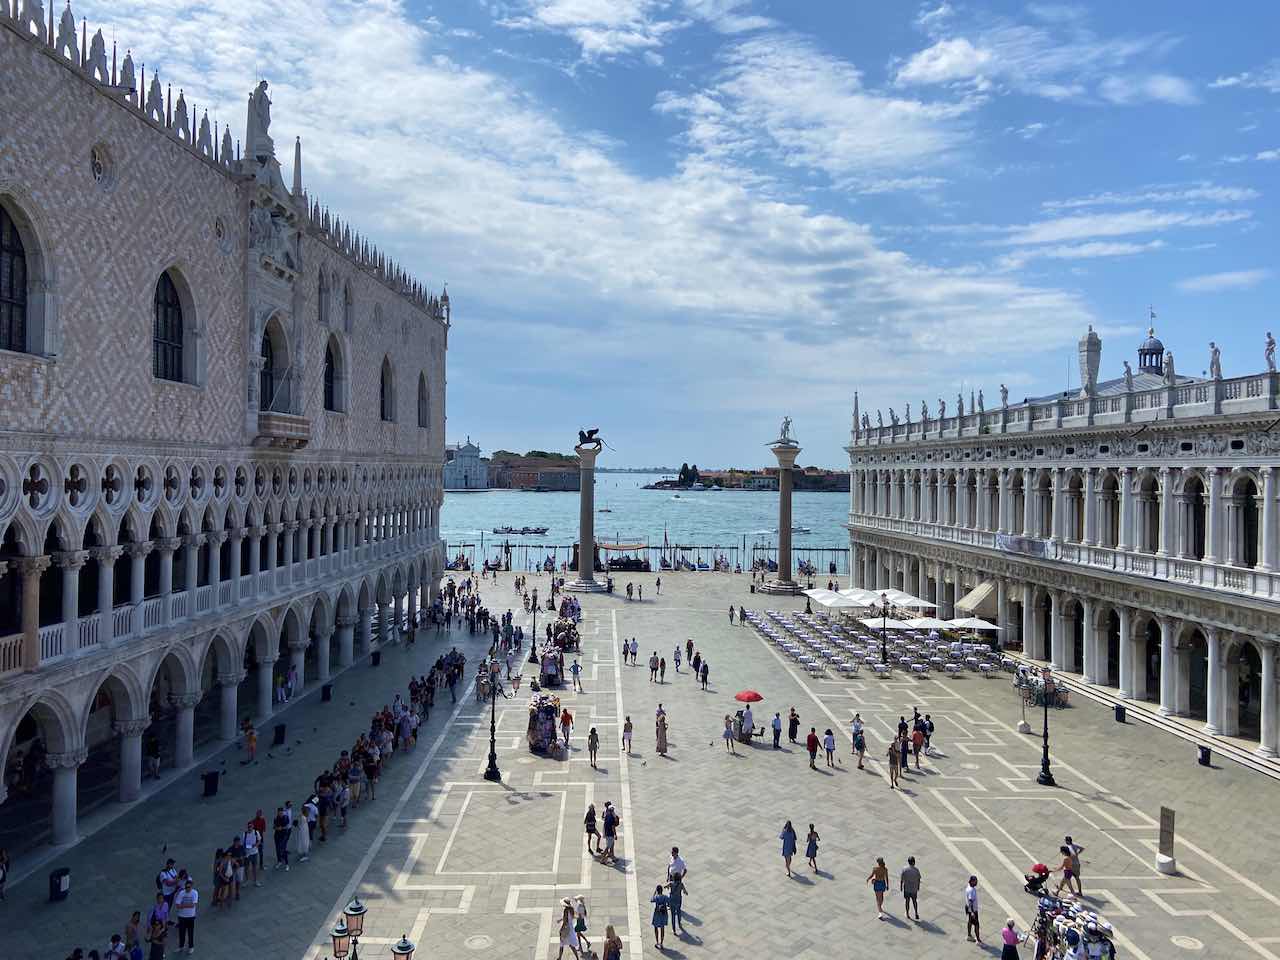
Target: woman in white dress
302,838
568,936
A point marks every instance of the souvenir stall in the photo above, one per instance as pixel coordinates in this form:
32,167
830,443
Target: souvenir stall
544,712
551,667
1072,931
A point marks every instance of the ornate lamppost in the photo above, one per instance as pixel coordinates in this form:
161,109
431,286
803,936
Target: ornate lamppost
492,773
884,627
1045,779
346,932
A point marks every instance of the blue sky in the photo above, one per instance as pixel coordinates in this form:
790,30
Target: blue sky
679,220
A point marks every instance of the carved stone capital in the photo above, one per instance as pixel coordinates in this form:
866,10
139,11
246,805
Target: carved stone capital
216,537
107,555
34,566
345,623
168,545
184,700
130,728
232,679
67,760
299,645
276,528
72,559
291,526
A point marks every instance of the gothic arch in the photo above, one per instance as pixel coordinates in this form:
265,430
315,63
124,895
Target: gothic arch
43,335
275,379
194,350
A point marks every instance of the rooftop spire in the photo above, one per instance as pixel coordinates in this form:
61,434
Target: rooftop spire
297,168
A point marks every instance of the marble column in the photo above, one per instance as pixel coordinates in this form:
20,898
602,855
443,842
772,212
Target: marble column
1126,509
71,562
397,618
1126,653
586,579
263,678
1267,560
1168,669
106,557
786,452
298,662
65,767
130,733
1029,621
1029,525
1090,508
290,530
1056,652
137,577
167,547
1090,641
32,569
346,641
185,729
192,572
384,624
1267,747
324,635
1002,612
365,620
234,573
1057,496
214,540
1213,668
1166,514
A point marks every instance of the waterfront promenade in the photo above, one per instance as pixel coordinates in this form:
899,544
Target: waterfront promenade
467,867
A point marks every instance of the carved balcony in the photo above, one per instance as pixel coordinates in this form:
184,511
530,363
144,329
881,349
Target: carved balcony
284,430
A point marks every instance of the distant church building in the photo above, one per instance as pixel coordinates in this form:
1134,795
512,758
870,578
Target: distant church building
463,468
223,420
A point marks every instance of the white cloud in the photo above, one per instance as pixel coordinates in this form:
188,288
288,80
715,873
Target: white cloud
1202,192
1262,156
932,18
1082,227
1159,87
1218,282
945,62
1093,250
602,29
1186,157
727,16
783,98
1029,131
1265,78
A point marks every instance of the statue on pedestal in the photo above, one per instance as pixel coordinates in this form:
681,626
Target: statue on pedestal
1271,353
942,409
1170,377
879,420
924,413
1004,397
1215,361
258,142
959,404
590,438
1128,377
980,403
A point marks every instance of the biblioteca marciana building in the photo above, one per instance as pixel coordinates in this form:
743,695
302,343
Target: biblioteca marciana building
221,427
1126,531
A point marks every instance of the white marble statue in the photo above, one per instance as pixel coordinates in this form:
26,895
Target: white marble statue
258,142
1128,377
1004,397
924,412
785,433
959,404
981,405
942,409
1271,353
879,420
1170,377
1215,361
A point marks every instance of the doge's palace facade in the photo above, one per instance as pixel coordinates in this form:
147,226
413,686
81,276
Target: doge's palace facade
1126,531
221,424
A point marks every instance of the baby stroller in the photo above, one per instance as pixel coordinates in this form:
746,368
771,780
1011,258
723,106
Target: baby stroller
1036,879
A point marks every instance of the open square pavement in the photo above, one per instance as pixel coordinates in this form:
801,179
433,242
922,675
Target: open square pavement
468,867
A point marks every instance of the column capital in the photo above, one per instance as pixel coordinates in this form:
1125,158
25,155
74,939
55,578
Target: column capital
130,728
297,645
34,566
195,539
275,528
1214,471
232,679
306,523
324,632
259,531
168,544
345,622
185,700
291,525
216,537
67,760
140,549
72,559
107,555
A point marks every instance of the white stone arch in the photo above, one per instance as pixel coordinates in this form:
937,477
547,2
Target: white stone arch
227,649
69,532
44,333
185,676
125,687
56,718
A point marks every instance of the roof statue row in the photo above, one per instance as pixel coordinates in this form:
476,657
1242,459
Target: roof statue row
129,85
1155,369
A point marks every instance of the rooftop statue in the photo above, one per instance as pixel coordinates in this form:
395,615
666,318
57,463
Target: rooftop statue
1271,353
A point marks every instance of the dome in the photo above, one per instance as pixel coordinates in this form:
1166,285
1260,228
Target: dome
1151,343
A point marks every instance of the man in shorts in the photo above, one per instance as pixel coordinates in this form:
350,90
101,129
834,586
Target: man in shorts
909,882
610,825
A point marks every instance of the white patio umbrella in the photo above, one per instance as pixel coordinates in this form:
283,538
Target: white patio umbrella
865,597
878,623
928,623
909,601
818,593
972,623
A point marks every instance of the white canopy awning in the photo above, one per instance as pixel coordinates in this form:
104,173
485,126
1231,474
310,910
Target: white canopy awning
972,623
864,597
928,623
978,602
878,623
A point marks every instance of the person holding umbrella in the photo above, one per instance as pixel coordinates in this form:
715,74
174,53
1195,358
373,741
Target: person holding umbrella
748,718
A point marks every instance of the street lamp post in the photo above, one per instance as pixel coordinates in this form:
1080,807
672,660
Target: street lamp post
346,932
1045,779
492,773
884,627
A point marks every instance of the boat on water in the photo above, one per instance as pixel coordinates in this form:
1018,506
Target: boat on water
697,485
518,531
797,529
604,510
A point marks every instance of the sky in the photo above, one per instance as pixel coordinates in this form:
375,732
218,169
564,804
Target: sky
681,220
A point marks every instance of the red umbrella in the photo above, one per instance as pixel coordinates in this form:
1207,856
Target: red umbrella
748,696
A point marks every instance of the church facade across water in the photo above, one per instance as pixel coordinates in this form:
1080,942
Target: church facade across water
222,421
1126,532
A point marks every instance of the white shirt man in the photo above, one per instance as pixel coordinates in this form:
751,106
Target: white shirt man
635,649
676,864
748,720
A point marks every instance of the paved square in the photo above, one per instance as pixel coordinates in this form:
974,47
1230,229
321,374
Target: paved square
468,867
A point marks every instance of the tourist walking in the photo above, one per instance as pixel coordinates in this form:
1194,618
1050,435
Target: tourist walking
917,742
566,725
661,735
1070,844
895,757
658,586
185,903
829,745
609,824
660,903
653,667
593,744
575,669
793,725
688,649
1010,940
627,729
593,835
858,739
580,922
731,612
635,649
1067,870
662,669
675,900
302,839
811,744
727,734
706,672
156,936
811,847
776,723
675,657
612,944
972,931
879,880
788,838
909,884
568,936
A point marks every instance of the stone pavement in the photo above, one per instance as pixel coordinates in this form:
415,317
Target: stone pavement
465,866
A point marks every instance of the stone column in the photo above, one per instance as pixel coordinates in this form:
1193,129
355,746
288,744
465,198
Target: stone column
215,539
397,619
184,731
273,537
1168,668
1126,509
229,692
1029,620
1029,525
65,767
1002,507
1166,515
1002,611
130,732
586,579
384,624
72,561
32,569
1126,653
106,557
167,547
1090,508
234,573
412,606
1213,665
290,529
263,679
365,621
323,637
138,577
346,641
1056,653
298,661
255,556
1267,748
1090,641
1268,559
192,572
786,452
1056,495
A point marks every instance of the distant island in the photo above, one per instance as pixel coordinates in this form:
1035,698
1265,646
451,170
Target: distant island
802,478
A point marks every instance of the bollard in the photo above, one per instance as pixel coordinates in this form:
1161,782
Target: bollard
1203,755
1120,714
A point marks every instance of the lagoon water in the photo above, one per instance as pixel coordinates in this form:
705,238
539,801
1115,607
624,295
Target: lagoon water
740,519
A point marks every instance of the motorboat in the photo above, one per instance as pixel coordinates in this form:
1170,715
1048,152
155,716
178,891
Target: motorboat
798,529
520,531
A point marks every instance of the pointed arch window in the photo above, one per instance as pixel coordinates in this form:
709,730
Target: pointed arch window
322,298
330,378
424,402
13,286
267,376
387,394
167,331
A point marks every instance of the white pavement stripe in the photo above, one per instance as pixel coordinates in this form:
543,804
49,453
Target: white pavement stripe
322,934
635,941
